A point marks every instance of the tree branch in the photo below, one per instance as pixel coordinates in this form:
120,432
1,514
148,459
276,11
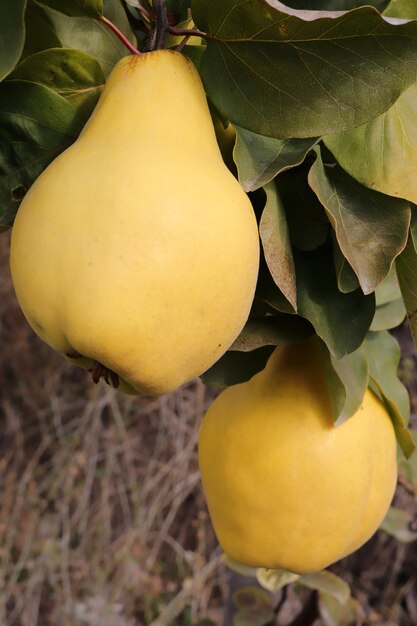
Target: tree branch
158,35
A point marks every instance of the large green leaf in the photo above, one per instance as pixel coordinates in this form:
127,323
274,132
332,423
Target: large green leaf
319,72
114,10
390,308
36,124
307,220
254,607
40,33
340,319
382,154
334,613
179,8
76,8
327,582
271,331
347,280
408,467
237,367
12,34
397,523
406,265
371,228
383,354
259,159
402,8
274,233
347,381
389,315
389,290
336,5
90,36
239,568
268,292
73,74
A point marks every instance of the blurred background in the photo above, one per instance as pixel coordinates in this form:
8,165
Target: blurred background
102,518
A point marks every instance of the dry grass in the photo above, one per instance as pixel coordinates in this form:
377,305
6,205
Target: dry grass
102,519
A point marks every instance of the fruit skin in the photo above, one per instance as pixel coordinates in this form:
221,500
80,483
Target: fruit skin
285,488
136,247
226,139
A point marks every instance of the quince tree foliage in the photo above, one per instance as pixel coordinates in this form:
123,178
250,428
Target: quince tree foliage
322,96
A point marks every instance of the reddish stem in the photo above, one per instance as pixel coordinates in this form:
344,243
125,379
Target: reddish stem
120,35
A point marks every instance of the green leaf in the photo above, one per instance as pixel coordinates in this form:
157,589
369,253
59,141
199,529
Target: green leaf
73,74
389,315
254,607
337,608
336,5
408,467
389,290
320,73
174,40
40,33
273,230
306,218
236,367
347,381
340,319
327,582
244,570
402,8
383,374
253,617
12,34
384,371
90,36
76,8
268,292
115,11
251,598
271,330
179,7
195,54
275,579
406,265
382,154
347,280
333,613
36,124
371,228
259,159
397,524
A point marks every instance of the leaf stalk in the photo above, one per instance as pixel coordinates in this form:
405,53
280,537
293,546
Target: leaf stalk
120,35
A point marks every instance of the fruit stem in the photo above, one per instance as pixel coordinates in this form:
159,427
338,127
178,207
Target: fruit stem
120,35
158,35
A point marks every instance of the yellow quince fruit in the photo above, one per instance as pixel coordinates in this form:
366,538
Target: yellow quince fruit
285,487
135,253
